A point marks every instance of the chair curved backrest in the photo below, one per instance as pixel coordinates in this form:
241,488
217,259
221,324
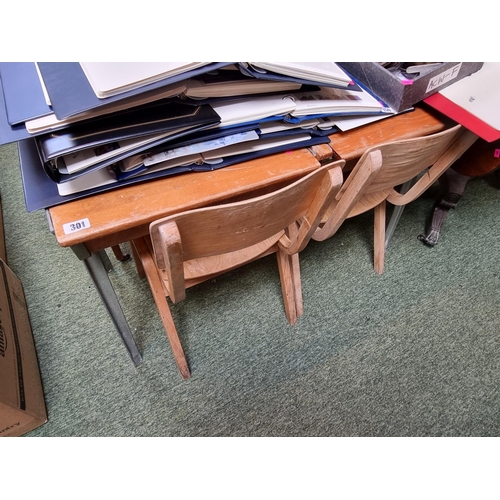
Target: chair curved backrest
404,160
382,168
238,226
194,246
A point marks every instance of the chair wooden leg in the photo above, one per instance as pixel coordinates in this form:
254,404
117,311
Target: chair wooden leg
285,267
295,274
297,285
154,281
379,238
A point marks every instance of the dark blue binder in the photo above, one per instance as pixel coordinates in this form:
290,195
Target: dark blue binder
179,139
40,192
228,160
24,97
153,118
9,133
233,160
71,93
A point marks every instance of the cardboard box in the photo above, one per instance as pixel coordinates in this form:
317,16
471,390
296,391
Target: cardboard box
22,402
400,95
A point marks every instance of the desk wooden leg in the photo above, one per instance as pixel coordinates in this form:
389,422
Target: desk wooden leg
96,267
122,257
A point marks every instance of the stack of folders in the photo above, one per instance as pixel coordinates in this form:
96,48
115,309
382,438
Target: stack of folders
87,127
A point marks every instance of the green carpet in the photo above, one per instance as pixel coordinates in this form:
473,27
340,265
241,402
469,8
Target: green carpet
413,352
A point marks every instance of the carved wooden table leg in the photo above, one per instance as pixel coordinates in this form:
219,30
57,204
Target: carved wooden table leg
453,185
480,159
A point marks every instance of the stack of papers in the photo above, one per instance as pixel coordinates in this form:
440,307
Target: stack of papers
95,126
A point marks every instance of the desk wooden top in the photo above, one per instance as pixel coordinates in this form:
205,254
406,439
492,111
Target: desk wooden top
352,144
125,213
122,214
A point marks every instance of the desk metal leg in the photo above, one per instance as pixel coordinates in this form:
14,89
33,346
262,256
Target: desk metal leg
97,265
396,213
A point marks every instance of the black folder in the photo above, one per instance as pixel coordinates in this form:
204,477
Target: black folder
156,117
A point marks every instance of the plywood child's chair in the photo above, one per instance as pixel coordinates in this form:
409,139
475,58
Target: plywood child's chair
381,169
197,245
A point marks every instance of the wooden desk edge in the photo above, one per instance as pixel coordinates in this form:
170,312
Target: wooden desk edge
121,214
125,213
423,120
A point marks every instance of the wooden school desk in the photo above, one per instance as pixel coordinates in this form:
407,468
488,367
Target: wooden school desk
90,225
